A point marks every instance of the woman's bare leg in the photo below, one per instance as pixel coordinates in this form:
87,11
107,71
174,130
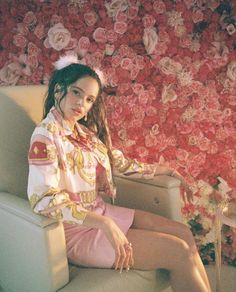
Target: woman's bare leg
150,221
153,250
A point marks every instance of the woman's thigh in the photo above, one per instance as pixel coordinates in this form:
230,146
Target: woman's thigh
153,222
154,250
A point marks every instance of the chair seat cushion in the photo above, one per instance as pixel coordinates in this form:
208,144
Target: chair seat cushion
106,280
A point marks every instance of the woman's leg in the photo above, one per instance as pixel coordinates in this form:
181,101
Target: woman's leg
154,250
150,221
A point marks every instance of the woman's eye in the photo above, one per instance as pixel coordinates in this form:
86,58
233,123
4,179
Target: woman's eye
90,100
76,92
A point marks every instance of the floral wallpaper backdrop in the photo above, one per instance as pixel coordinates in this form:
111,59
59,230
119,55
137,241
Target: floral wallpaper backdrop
170,70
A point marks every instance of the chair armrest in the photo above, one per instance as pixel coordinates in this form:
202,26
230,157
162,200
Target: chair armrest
160,195
32,248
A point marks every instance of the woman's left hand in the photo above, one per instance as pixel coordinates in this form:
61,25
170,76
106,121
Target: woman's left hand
188,194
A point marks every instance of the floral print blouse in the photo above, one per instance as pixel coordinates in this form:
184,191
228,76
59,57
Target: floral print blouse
67,172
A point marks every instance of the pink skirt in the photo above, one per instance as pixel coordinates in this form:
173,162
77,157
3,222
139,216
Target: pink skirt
89,247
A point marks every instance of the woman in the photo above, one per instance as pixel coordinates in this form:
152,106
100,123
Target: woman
70,163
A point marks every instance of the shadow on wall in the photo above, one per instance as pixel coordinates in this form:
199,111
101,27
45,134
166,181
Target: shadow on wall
16,128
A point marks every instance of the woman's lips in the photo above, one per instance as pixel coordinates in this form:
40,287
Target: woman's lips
77,111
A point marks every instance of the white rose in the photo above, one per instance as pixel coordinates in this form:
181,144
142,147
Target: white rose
10,74
168,66
168,94
150,39
115,6
231,70
185,78
58,37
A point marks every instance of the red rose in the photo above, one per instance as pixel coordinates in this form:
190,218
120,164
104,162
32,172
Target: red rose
121,16
148,21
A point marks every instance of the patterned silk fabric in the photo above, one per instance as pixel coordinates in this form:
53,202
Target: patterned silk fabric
68,171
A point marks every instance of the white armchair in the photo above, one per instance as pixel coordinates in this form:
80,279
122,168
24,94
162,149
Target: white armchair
32,247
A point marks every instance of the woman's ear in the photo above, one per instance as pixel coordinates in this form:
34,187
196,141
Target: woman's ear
57,91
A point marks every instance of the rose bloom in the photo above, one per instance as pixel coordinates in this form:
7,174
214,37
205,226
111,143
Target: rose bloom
137,87
111,35
231,70
30,18
148,21
231,29
126,63
120,27
197,16
182,154
132,12
150,140
58,37
39,31
20,41
180,31
99,35
168,94
150,39
10,74
115,6
159,7
90,18
169,66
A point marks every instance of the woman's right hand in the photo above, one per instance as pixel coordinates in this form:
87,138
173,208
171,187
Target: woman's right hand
123,248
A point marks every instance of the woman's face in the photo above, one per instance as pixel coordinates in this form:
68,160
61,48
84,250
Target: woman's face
79,99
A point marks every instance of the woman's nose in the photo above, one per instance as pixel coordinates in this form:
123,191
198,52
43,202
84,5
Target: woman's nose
80,101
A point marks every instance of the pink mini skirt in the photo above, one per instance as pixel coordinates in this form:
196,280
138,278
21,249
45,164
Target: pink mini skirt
89,247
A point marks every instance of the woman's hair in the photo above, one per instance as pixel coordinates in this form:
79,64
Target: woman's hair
96,117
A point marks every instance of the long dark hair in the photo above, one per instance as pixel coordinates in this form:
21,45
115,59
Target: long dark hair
96,117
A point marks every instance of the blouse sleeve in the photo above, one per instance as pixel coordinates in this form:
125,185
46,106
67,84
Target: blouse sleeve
44,194
127,167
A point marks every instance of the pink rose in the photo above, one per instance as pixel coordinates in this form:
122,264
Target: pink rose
99,35
134,73
126,63
121,16
83,45
33,49
182,154
111,35
116,60
20,40
148,21
30,18
137,87
143,97
90,18
132,12
197,16
109,50
32,61
159,7
155,129
140,62
120,27
213,148
22,28
39,31
150,140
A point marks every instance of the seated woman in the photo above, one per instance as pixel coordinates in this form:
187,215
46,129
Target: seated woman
71,160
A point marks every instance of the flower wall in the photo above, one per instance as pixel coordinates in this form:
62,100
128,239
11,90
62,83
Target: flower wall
170,70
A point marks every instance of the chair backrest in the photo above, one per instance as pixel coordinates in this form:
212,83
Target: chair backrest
21,109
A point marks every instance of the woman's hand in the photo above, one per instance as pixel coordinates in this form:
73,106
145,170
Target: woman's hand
121,245
188,194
